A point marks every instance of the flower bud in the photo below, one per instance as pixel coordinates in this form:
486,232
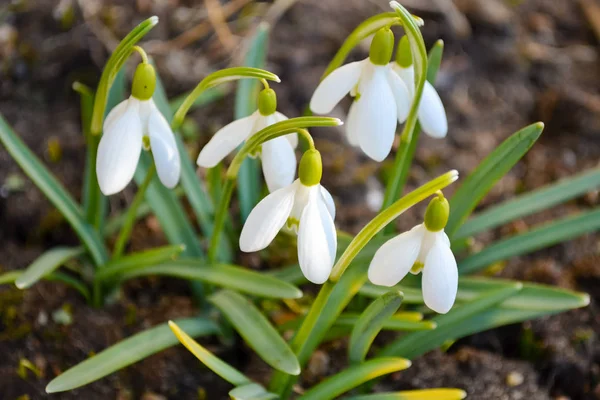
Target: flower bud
267,102
382,47
404,53
311,168
436,216
144,82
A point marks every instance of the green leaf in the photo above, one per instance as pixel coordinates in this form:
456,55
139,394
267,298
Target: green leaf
416,343
113,66
229,276
9,277
248,179
54,191
142,259
46,264
538,238
355,376
12,276
421,394
369,324
483,178
257,331
530,203
213,362
127,352
252,391
209,96
398,322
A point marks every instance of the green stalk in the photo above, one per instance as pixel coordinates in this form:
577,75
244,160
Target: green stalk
130,217
417,46
220,215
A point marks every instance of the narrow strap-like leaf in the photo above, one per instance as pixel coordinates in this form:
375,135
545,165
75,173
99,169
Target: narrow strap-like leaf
54,191
139,260
257,331
248,179
421,394
228,276
252,391
127,352
46,264
538,238
218,366
355,376
485,176
370,323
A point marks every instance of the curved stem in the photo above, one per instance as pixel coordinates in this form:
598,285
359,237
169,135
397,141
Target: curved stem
220,215
387,216
123,237
308,137
142,53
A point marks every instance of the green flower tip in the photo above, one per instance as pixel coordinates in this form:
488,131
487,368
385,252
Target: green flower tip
144,82
382,47
311,168
267,102
438,211
404,53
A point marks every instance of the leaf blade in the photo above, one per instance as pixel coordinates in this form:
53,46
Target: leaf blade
46,264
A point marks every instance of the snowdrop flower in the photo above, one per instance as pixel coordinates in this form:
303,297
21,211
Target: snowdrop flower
305,207
432,115
380,97
425,247
134,124
277,155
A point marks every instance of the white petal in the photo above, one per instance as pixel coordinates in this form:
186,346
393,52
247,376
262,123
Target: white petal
352,129
119,151
440,278
407,75
395,258
115,114
327,220
314,249
278,163
329,203
225,141
401,95
266,219
334,87
376,117
292,137
164,149
432,114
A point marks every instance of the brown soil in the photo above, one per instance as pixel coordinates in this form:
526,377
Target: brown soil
538,60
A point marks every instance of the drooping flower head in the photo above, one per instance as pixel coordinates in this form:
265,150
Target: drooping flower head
432,115
380,97
424,248
134,124
305,207
277,155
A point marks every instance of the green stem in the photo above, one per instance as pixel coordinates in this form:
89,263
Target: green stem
385,217
132,213
220,215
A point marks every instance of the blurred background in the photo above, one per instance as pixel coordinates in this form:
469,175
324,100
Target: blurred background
507,63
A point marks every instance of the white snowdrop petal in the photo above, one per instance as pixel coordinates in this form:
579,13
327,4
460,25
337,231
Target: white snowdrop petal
225,141
376,117
334,87
395,258
352,129
401,95
314,254
292,137
329,203
266,219
119,151
114,114
164,149
408,77
327,220
440,278
432,114
278,163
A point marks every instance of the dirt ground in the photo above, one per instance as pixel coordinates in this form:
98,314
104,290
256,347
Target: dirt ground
506,64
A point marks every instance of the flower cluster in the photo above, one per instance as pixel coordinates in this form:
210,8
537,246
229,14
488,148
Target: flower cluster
383,93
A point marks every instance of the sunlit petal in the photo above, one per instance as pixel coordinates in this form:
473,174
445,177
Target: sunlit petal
335,86
401,95
278,163
225,141
440,278
164,149
432,114
329,203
